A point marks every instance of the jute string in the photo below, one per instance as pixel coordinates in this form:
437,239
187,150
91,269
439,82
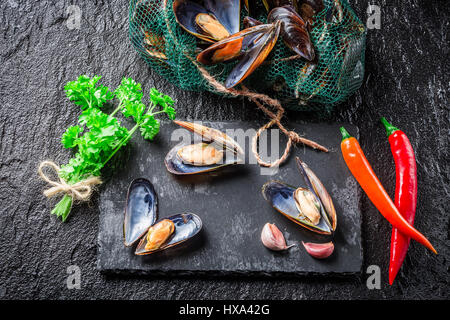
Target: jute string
261,100
81,191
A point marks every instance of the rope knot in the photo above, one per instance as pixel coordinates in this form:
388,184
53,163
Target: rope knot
294,136
79,191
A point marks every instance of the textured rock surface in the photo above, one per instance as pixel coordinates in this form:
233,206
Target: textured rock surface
407,77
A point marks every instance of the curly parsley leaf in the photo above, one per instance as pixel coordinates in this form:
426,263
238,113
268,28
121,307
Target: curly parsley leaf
149,127
164,101
70,137
130,95
85,92
135,110
129,91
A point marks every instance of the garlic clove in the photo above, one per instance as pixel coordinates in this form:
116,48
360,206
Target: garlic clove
273,239
319,250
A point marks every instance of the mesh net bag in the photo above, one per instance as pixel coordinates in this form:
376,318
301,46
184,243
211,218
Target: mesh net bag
294,82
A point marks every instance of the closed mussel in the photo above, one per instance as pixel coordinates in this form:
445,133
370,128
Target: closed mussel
215,151
140,211
169,232
294,31
310,207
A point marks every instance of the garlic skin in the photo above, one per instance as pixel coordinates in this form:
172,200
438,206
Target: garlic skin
273,239
319,250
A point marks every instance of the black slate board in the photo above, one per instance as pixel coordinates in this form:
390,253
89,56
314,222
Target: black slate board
233,210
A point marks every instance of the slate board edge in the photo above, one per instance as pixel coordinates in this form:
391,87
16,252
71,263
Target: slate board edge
231,273
171,273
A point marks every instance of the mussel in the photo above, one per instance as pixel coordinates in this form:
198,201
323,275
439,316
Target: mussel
216,20
271,4
215,151
140,211
158,234
154,46
250,22
251,46
308,9
294,31
310,207
169,232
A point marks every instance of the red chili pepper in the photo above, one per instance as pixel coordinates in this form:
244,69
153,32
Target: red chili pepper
362,171
405,193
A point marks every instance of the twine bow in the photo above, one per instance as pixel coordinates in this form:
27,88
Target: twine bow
79,191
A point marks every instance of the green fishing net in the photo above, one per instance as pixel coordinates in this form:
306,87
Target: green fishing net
339,43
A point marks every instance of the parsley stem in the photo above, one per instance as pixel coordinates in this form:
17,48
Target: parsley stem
116,110
63,207
121,143
151,108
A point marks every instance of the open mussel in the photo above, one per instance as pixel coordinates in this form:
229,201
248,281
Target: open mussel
251,46
169,232
215,151
310,207
216,20
315,184
140,211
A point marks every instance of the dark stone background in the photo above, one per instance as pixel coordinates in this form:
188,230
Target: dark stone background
407,78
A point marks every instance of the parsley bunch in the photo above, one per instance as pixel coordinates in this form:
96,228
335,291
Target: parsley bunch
98,136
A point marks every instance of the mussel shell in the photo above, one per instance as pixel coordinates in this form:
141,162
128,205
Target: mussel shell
294,31
175,164
233,46
281,197
251,46
251,6
225,50
270,4
227,12
309,8
314,184
212,135
187,225
250,22
185,12
141,210
256,52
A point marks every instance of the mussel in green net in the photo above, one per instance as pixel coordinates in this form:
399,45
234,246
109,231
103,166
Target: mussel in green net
140,210
309,207
271,4
251,46
216,20
308,9
169,232
217,150
294,31
250,22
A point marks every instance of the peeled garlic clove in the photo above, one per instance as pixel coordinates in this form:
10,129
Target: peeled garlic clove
319,250
273,239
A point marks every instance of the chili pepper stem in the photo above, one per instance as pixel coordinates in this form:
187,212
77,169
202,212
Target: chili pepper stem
390,129
344,132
